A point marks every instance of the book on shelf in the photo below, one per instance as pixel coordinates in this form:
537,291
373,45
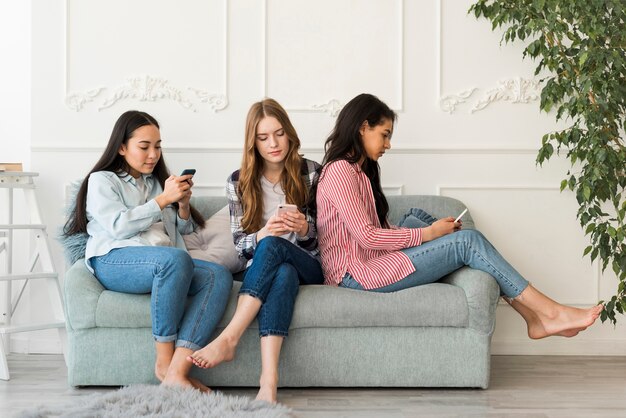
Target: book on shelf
10,167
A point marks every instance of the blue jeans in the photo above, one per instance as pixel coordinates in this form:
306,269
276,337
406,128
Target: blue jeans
274,277
170,275
416,218
440,257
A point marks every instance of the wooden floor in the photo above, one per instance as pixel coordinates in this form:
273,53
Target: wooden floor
521,386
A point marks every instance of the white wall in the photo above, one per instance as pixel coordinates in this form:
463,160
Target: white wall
469,125
15,130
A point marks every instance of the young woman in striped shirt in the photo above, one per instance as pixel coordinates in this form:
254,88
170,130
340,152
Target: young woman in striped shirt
281,248
361,250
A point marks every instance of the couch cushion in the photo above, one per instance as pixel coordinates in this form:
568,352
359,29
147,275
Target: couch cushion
431,305
214,242
322,307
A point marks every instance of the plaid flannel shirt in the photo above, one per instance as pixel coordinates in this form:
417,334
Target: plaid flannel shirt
245,244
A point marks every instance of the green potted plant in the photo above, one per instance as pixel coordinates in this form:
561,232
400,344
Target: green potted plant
580,47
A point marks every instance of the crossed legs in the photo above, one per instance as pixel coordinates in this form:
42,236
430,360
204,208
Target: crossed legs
268,291
544,317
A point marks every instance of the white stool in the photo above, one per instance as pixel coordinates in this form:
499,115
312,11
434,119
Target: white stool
41,253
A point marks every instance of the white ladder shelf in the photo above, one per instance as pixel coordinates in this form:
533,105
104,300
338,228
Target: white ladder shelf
24,181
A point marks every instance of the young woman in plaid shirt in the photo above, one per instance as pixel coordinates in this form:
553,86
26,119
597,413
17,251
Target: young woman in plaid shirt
281,249
361,250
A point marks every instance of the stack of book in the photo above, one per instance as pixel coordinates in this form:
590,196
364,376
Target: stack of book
10,167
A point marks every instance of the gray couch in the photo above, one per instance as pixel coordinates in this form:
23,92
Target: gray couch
436,335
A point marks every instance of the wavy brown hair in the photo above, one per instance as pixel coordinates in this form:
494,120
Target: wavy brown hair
252,165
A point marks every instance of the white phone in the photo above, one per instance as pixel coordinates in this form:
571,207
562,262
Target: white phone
285,207
460,216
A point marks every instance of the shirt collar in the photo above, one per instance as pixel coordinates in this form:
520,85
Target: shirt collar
128,178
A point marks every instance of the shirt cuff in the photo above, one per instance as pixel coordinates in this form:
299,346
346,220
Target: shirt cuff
154,209
415,237
309,235
184,226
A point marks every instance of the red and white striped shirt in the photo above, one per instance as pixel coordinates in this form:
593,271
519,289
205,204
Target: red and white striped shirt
350,236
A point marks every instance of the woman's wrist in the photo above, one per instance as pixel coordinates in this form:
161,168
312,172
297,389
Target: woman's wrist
161,200
261,233
427,234
306,231
184,212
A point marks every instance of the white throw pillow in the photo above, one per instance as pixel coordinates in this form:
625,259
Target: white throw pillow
214,242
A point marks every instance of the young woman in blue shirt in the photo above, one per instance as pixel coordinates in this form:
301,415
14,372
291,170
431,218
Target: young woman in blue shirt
135,214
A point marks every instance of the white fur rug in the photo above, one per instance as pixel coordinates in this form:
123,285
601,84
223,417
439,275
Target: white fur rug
159,402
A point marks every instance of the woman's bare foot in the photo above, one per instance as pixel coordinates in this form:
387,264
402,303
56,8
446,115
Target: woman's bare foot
160,371
565,321
177,380
570,332
217,351
160,374
165,352
268,391
199,385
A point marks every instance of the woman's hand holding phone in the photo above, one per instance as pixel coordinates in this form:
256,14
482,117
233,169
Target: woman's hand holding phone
184,209
287,219
177,189
294,221
440,228
274,227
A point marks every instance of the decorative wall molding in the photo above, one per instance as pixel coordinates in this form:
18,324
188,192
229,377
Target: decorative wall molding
215,101
228,147
146,87
597,271
514,89
334,106
76,101
449,102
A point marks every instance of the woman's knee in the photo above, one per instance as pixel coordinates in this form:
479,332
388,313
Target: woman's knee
177,260
207,272
287,276
469,235
270,244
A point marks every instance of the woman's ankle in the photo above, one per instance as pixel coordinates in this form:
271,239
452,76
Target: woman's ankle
269,379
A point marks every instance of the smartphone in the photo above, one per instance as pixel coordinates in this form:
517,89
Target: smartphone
282,208
187,171
461,215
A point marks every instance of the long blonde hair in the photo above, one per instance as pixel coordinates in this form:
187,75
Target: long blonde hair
252,164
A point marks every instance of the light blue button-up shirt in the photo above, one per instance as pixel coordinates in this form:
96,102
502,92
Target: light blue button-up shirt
118,211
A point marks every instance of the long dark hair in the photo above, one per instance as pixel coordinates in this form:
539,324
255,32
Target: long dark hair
344,143
111,160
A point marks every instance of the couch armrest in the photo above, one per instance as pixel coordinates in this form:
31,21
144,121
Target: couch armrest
82,291
482,292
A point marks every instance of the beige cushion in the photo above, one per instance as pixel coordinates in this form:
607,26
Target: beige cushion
214,242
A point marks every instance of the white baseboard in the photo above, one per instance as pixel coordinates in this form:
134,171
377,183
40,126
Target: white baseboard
559,346
26,345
